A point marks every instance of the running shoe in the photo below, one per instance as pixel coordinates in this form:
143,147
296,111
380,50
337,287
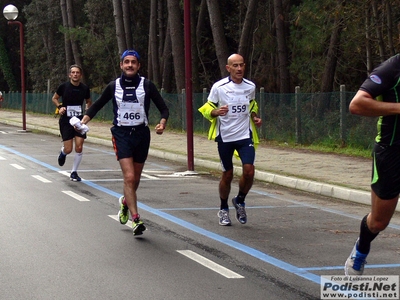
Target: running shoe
355,263
123,213
61,159
74,177
240,211
138,227
223,215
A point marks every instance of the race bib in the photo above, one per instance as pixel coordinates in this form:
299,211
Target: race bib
74,110
238,106
131,114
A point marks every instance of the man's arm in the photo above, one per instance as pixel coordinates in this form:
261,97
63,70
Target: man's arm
94,108
56,99
88,103
363,104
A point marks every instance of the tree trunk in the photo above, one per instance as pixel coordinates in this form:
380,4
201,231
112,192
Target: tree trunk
200,28
71,24
119,26
195,58
153,43
67,42
127,23
378,29
328,74
218,32
167,72
390,27
368,51
176,33
246,36
283,60
162,27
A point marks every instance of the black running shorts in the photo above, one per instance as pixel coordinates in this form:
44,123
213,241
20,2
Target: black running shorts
386,171
68,131
131,142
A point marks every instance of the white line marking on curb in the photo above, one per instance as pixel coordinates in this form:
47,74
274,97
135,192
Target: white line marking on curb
18,167
42,179
76,196
210,264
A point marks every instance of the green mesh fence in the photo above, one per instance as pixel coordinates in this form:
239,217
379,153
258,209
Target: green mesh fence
293,118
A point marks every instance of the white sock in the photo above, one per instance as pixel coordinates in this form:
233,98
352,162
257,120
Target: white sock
77,161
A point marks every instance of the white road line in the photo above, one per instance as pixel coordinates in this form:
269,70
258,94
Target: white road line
209,264
149,176
64,173
116,218
106,180
2,158
42,179
3,132
18,167
76,196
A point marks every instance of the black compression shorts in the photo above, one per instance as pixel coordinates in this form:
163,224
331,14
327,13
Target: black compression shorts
386,171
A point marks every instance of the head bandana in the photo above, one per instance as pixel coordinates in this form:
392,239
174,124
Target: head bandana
130,52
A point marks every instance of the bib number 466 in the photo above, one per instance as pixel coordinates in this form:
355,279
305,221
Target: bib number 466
131,116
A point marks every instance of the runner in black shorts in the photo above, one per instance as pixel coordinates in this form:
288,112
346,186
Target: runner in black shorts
379,96
131,95
72,94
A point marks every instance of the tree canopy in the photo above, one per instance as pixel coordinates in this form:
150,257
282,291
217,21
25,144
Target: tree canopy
318,45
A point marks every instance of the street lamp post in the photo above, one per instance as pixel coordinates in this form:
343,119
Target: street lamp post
10,12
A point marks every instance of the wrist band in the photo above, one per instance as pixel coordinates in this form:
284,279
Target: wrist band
59,106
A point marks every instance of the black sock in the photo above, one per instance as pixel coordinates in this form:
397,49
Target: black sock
240,197
366,237
224,204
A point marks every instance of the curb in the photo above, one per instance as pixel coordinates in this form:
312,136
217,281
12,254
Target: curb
314,187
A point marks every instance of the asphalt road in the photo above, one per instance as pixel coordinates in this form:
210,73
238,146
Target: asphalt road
61,239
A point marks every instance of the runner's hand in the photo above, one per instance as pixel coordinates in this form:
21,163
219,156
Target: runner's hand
160,128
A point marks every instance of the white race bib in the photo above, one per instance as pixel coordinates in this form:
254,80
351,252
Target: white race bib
238,106
131,114
74,110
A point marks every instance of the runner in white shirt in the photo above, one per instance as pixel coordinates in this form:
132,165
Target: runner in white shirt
232,109
131,96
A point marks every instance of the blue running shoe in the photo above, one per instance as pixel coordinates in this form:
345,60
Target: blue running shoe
355,262
61,159
74,177
240,211
224,219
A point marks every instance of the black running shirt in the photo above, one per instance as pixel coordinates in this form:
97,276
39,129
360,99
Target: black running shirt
383,84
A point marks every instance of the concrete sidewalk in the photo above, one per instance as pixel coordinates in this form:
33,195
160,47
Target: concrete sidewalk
338,176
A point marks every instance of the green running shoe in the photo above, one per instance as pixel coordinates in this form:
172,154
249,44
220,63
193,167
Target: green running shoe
138,227
123,213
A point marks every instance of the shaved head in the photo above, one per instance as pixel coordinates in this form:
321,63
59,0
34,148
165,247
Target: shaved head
234,57
235,67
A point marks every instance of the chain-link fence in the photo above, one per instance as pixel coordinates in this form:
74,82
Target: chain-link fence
321,118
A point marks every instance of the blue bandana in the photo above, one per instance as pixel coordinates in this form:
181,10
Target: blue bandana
130,52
